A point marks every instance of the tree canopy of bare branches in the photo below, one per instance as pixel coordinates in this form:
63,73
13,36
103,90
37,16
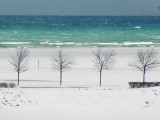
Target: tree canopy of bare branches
146,60
20,60
61,63
103,60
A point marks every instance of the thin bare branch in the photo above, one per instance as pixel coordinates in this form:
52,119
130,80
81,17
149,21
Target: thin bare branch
20,59
61,62
146,60
103,60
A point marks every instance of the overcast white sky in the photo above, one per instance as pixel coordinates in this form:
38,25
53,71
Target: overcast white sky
79,7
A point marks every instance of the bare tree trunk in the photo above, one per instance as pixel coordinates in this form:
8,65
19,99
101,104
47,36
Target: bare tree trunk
144,72
143,77
18,78
100,77
60,77
38,64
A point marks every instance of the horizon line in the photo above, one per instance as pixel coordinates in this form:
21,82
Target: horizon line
85,15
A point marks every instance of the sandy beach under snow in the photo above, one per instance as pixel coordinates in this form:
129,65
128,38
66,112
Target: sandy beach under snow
80,97
82,72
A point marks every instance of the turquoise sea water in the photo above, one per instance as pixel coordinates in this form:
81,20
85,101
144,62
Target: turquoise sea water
55,31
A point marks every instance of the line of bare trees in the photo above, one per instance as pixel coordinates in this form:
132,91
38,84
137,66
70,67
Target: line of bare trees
146,60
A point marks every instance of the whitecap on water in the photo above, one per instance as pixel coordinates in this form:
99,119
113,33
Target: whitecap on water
143,34
66,37
15,32
155,37
14,43
54,25
137,43
137,27
95,34
65,34
57,41
106,43
78,44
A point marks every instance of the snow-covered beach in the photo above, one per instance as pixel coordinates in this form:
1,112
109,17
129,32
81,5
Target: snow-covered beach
40,96
82,72
85,103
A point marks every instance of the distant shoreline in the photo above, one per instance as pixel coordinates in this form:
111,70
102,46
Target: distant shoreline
74,45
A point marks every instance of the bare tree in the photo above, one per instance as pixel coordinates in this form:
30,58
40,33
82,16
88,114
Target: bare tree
146,60
61,63
103,60
20,60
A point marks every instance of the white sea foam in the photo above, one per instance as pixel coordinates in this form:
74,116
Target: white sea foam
66,37
43,43
143,34
106,43
15,32
70,43
137,27
54,24
95,34
125,43
57,41
65,34
155,37
14,43
96,43
137,43
54,37
66,43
